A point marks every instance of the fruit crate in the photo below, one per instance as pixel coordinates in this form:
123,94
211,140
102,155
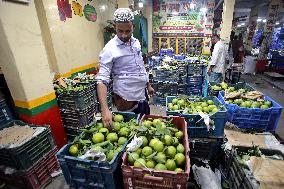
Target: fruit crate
81,173
195,80
5,113
25,155
205,148
135,178
77,117
196,69
73,132
78,99
37,176
239,85
237,176
196,127
179,57
253,118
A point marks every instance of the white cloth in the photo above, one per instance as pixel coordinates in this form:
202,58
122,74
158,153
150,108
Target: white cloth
218,58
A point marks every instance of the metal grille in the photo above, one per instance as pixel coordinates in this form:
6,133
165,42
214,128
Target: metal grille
194,45
181,49
173,44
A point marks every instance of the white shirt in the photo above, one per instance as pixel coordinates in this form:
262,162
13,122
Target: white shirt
125,63
218,57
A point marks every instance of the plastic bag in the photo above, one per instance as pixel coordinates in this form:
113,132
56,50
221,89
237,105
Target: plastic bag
206,178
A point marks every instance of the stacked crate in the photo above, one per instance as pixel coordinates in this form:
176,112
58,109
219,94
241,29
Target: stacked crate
195,78
31,156
77,109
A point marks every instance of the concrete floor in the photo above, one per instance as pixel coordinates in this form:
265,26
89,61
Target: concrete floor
258,82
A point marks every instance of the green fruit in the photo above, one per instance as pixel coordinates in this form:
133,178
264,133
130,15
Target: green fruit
175,100
214,110
210,102
171,151
132,157
175,141
268,103
180,159
110,155
118,149
112,137
118,118
231,89
98,137
116,126
170,165
198,108
122,140
179,135
180,148
146,151
97,148
139,151
153,142
181,102
145,141
124,131
99,125
204,104
175,107
159,146
242,90
104,131
147,123
150,164
179,170
255,105
160,166
73,150
248,104
170,106
243,104
157,122
161,157
168,140
264,106
211,107
140,163
205,109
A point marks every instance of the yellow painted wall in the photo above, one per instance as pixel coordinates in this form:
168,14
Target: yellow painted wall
23,57
77,42
148,10
122,3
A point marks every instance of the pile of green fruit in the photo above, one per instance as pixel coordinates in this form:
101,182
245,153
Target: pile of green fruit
221,86
162,147
193,106
101,139
263,104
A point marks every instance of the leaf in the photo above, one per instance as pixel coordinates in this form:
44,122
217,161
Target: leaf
151,156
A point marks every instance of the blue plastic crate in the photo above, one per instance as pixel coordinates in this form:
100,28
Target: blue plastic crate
195,80
197,128
253,118
5,113
179,57
159,100
195,69
81,173
194,90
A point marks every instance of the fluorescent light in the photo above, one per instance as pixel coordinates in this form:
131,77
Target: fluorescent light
259,20
277,23
239,25
140,4
204,9
242,24
264,20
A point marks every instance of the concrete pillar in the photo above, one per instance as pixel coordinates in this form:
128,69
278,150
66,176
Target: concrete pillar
251,27
24,62
227,18
122,3
148,14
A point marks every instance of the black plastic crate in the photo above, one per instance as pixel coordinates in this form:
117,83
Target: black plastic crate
238,177
78,118
195,69
195,80
205,148
24,156
73,132
5,113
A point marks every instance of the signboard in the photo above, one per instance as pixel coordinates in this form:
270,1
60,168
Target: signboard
186,17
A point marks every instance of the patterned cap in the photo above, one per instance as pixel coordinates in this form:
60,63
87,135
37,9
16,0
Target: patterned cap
123,15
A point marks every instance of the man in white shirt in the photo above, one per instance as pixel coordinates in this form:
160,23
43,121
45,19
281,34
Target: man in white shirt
216,67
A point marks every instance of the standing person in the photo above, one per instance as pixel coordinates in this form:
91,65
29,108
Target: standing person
216,65
122,59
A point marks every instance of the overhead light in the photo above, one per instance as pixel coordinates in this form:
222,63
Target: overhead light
204,9
175,13
140,4
259,20
264,20
239,25
277,23
242,24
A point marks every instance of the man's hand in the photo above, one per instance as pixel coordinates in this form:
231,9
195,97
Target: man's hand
210,70
150,90
107,118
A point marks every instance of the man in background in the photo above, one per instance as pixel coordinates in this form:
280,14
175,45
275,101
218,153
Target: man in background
216,67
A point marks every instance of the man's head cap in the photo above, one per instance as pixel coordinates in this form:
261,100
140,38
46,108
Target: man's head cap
123,15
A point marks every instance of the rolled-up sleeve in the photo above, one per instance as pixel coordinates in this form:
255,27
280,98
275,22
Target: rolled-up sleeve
106,62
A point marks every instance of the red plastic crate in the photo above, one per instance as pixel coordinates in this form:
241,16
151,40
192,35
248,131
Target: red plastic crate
135,178
37,176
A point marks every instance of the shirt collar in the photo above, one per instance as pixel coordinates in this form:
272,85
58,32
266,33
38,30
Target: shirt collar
119,42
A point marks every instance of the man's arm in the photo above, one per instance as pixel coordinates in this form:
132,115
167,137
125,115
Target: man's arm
214,58
103,78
